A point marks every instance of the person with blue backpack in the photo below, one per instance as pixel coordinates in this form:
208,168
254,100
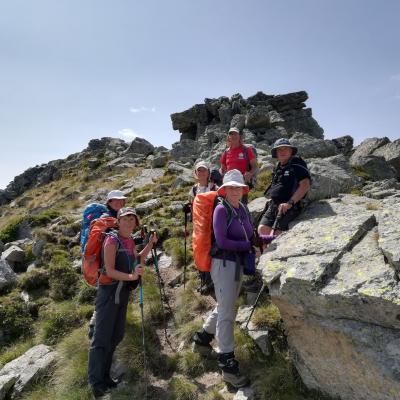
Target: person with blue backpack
291,180
114,202
121,263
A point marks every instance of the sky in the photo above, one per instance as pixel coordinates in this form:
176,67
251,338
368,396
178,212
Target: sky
75,70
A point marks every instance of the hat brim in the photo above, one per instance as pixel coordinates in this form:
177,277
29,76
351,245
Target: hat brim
131,213
221,191
273,151
117,198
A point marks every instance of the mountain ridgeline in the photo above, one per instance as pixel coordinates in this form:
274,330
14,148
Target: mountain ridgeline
330,325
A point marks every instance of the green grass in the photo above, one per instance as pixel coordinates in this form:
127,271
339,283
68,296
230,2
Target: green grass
182,389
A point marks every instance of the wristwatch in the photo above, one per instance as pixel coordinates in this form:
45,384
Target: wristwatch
291,202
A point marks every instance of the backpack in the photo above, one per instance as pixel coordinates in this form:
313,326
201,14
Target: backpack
213,188
90,213
92,257
203,237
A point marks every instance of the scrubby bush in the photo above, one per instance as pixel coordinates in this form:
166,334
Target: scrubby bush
59,323
10,232
63,282
15,319
86,293
182,389
176,249
35,279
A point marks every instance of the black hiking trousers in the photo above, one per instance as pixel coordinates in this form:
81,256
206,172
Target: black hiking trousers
111,307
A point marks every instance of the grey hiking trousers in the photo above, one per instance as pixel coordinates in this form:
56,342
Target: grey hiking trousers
109,331
227,281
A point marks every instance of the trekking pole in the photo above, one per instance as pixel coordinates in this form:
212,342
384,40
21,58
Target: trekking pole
185,257
163,296
143,336
253,307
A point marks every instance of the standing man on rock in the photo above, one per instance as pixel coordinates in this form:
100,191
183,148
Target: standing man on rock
291,181
238,156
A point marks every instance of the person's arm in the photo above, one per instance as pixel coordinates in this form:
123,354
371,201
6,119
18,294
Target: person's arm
220,226
223,168
110,251
253,165
303,188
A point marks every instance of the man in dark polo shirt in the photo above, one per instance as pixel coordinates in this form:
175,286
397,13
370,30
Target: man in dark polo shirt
290,183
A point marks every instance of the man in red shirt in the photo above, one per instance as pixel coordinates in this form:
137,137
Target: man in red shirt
238,156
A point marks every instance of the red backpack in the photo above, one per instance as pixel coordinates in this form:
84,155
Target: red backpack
91,262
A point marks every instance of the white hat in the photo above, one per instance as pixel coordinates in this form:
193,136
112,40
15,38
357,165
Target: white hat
234,129
201,164
115,194
233,178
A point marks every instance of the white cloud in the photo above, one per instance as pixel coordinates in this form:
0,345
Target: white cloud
142,109
128,133
395,77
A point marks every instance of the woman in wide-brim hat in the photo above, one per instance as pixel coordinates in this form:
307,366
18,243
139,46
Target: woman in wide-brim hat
233,231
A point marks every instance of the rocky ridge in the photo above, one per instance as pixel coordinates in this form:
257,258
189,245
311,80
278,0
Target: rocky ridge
334,276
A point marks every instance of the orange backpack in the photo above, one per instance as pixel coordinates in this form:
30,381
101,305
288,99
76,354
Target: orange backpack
91,262
202,213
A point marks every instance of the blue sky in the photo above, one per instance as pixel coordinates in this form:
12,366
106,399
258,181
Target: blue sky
71,71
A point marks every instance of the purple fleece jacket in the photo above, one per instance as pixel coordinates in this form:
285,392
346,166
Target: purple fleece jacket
232,237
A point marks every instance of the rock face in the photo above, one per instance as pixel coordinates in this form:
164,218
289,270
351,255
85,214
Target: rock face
265,117
17,375
7,276
333,278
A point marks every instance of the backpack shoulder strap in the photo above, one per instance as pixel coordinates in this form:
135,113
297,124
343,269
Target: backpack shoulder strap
194,188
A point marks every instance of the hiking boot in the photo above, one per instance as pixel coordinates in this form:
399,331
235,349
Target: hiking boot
230,371
202,345
111,383
100,390
205,351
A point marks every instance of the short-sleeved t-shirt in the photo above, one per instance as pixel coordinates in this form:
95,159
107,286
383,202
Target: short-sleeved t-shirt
127,243
236,158
286,179
196,189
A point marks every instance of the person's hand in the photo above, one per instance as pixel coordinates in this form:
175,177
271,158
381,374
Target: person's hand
138,272
187,208
153,238
267,239
247,176
283,208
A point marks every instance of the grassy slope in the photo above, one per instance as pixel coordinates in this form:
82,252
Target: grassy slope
62,309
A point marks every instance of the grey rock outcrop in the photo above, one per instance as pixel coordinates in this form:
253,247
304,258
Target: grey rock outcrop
146,177
344,144
331,176
19,374
382,189
338,297
265,117
310,147
7,276
391,153
373,167
140,146
147,206
15,257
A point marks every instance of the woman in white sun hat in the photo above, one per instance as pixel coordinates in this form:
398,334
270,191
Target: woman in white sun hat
233,231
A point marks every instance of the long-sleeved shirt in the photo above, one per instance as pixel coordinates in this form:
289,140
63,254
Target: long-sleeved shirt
232,238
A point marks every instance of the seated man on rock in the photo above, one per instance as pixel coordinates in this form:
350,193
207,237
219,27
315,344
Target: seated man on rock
291,180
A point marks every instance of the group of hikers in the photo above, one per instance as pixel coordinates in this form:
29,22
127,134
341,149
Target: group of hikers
231,254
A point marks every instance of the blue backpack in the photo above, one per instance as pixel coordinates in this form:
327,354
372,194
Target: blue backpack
90,213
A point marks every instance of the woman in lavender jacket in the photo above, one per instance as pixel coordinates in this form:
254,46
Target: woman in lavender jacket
232,243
